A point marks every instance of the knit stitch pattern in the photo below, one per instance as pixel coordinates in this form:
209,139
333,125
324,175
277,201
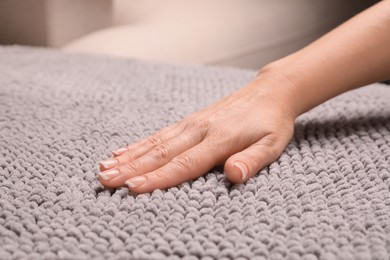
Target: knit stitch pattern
326,197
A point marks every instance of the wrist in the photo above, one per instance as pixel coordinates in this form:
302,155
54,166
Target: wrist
272,82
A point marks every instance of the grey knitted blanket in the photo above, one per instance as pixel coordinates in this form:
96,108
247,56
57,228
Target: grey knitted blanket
326,197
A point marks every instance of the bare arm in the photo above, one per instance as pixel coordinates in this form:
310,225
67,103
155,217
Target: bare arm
354,54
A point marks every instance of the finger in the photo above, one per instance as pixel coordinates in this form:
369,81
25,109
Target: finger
189,165
196,130
122,150
152,160
211,108
247,163
164,134
135,150
225,101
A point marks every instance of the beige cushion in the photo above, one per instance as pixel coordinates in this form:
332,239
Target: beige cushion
240,33
51,22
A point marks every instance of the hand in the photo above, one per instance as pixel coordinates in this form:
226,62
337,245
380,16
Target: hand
246,130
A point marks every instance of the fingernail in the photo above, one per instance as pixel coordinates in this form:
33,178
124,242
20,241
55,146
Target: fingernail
109,163
119,151
136,181
106,175
242,168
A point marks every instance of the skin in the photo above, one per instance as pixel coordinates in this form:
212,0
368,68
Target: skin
253,125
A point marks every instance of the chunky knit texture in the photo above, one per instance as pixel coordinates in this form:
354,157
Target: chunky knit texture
326,197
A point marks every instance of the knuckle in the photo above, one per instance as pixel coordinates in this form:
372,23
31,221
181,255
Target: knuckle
132,167
274,146
270,152
154,140
198,129
223,133
221,136
184,161
162,151
128,156
202,123
200,126
160,174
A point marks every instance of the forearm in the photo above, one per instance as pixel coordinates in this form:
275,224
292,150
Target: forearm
354,54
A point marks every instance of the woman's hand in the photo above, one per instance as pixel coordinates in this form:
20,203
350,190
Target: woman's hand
247,130
250,128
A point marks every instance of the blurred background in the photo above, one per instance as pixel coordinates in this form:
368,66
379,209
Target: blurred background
239,33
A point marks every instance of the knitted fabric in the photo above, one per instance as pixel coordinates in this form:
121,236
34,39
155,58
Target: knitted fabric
326,197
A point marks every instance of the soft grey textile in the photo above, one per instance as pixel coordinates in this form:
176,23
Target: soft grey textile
326,197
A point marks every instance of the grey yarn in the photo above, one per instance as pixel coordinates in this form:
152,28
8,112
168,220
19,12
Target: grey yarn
326,197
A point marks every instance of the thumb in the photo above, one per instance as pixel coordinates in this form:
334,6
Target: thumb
247,163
